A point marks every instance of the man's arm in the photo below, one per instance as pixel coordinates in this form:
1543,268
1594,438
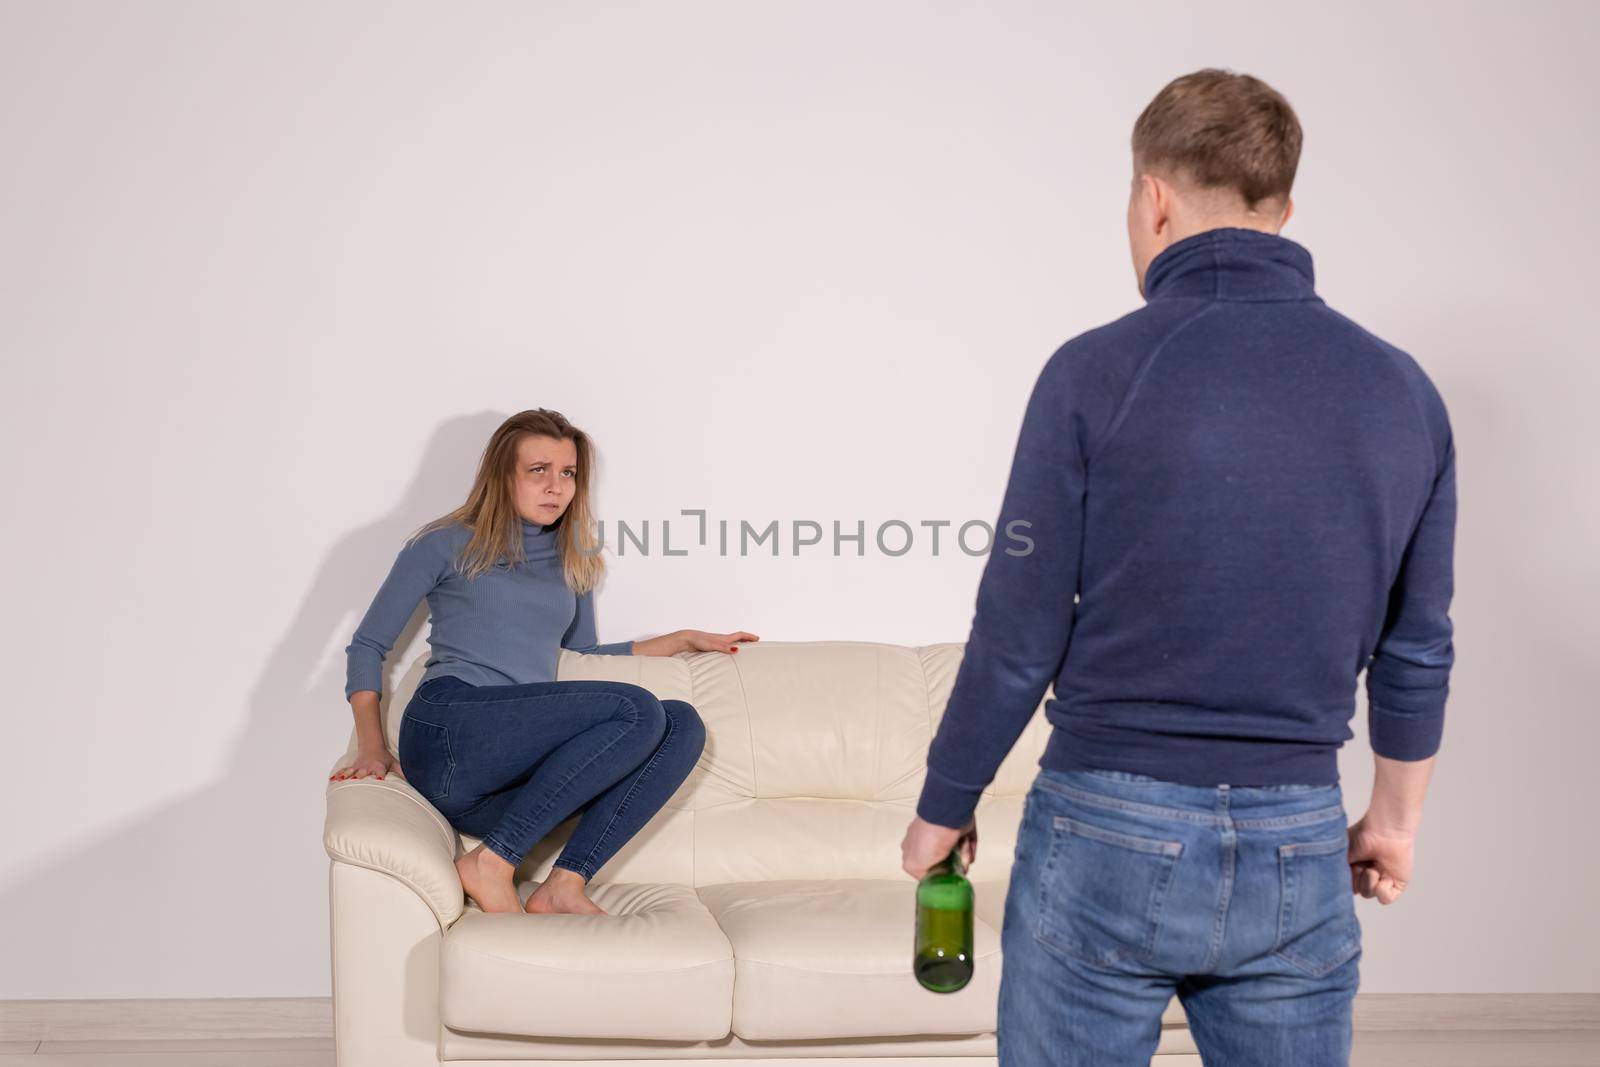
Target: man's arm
1408,679
1024,614
1408,676
1398,787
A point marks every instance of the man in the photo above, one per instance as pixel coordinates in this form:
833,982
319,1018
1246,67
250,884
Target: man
1238,499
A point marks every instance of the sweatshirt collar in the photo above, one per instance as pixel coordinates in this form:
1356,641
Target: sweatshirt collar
1232,263
537,539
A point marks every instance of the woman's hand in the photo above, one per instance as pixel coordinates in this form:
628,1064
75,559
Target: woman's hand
700,641
377,763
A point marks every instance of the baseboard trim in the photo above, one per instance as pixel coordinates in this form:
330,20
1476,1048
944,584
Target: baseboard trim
1477,1011
166,1019
297,1018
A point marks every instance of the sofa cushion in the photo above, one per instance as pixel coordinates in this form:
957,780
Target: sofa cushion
655,967
831,958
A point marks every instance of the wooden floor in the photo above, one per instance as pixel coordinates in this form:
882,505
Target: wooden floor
1391,1030
1529,1048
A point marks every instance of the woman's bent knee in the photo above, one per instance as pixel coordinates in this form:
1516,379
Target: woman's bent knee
686,722
644,708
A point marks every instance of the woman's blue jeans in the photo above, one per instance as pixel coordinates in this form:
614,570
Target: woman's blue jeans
1126,890
509,763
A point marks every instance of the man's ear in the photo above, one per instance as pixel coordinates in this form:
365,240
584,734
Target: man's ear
1158,200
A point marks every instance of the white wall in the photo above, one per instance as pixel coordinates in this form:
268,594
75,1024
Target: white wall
270,274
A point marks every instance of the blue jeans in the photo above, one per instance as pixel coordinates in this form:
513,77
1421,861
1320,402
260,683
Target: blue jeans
509,763
1126,890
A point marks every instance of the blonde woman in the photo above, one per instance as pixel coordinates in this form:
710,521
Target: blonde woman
491,739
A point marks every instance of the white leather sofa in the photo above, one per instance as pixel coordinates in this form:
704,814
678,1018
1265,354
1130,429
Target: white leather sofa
760,917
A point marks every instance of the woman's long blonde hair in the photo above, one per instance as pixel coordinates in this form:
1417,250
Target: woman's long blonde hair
490,510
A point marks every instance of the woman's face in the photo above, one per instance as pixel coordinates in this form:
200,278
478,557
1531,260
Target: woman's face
546,477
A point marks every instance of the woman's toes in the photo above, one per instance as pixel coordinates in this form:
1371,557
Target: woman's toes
542,902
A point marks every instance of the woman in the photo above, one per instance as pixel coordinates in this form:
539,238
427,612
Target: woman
491,739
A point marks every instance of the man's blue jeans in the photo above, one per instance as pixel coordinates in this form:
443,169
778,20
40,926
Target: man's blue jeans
1126,890
509,763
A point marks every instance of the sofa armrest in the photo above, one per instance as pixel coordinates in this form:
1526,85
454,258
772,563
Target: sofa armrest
385,825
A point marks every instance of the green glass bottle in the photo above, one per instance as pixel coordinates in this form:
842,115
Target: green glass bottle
943,958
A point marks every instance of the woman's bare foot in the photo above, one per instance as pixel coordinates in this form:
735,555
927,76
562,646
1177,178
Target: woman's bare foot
487,879
562,894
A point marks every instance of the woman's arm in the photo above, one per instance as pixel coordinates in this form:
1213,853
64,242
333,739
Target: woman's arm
580,638
692,641
369,727
417,568
665,645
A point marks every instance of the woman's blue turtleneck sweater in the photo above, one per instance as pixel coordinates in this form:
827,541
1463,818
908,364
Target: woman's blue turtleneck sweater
505,627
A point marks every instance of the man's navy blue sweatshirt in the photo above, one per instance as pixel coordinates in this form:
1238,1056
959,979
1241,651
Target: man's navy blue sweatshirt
1238,499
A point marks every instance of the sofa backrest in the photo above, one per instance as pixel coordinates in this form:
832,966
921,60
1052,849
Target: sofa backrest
814,759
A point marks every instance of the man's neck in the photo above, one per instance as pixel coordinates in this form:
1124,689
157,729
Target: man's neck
1189,228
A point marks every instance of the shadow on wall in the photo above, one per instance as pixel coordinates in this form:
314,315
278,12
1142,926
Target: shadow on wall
223,892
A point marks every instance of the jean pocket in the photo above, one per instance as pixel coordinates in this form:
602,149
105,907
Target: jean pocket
1317,926
1101,891
425,757
435,690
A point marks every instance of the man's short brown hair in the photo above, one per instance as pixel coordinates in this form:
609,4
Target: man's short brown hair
1218,129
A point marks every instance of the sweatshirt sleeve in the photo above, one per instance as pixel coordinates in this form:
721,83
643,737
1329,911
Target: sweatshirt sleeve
1408,676
580,636
1025,605
419,566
